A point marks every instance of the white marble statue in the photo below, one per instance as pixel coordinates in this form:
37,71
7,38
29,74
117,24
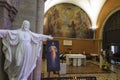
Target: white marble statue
21,48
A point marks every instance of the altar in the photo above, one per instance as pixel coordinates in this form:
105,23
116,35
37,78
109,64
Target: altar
75,59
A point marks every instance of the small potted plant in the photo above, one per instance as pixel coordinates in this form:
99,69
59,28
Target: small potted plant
106,66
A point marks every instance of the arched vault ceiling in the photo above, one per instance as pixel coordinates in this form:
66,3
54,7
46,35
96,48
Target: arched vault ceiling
91,7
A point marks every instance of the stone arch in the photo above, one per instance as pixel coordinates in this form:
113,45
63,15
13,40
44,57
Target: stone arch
103,29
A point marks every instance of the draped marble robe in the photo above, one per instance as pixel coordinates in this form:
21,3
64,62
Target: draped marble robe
21,50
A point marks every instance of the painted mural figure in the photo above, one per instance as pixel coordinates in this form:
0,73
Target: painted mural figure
73,35
21,48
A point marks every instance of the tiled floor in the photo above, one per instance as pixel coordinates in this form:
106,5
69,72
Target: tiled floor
91,69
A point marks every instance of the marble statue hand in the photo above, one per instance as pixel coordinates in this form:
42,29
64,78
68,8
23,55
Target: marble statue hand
50,37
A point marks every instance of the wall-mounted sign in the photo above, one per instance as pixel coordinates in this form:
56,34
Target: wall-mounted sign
67,42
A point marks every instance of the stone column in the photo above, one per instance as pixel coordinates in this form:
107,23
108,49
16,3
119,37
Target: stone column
7,15
40,16
26,11
39,29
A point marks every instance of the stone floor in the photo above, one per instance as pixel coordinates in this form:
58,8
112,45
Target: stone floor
90,69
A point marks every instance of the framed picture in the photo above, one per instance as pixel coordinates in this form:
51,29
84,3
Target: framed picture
52,56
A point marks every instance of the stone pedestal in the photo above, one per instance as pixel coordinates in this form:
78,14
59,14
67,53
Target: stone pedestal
75,61
62,68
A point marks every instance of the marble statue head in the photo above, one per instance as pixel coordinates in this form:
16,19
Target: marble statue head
26,25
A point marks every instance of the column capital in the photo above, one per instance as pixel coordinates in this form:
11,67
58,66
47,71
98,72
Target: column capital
12,11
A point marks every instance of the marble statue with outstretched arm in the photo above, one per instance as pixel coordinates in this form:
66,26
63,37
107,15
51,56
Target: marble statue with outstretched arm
21,48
